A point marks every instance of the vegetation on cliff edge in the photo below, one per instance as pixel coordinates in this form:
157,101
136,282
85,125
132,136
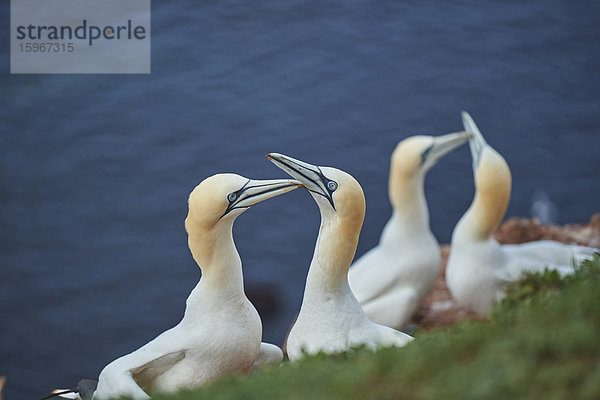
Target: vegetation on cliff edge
543,341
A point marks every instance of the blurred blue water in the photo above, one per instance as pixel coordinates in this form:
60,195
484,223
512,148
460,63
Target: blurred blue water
95,169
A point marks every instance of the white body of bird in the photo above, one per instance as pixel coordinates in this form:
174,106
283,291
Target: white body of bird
392,279
221,330
479,268
331,320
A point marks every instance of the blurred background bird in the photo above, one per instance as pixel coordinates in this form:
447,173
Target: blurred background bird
479,268
391,279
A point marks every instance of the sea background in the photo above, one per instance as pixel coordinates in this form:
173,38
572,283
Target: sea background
95,170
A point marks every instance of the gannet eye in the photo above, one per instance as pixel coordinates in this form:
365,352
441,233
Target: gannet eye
332,185
231,197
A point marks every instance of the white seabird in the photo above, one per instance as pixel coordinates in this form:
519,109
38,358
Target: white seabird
479,268
391,280
331,320
221,330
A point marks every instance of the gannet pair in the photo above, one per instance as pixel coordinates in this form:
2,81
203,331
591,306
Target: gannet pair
221,330
479,268
331,320
392,279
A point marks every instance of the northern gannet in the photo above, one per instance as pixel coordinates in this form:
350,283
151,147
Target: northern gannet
479,268
331,320
391,280
221,330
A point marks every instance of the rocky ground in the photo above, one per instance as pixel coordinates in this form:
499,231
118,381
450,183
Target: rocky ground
440,310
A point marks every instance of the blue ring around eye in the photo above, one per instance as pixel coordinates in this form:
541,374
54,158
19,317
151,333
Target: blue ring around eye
332,185
232,196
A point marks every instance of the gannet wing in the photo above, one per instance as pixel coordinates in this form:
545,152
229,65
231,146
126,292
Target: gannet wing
394,308
268,354
392,337
550,251
367,280
541,254
118,384
517,266
133,373
145,374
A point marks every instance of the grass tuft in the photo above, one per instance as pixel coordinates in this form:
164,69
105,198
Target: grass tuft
542,342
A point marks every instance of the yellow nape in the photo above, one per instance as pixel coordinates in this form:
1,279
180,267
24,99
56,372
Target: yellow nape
343,225
350,204
405,166
407,156
493,183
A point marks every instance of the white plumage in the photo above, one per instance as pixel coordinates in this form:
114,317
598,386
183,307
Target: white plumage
331,320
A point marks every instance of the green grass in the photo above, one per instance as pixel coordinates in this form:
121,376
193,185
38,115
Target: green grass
543,342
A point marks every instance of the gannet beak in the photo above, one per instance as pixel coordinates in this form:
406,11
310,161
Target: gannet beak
255,191
66,394
310,175
477,142
443,145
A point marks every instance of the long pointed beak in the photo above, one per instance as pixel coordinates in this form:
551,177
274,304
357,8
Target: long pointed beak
477,143
66,394
309,175
444,144
256,191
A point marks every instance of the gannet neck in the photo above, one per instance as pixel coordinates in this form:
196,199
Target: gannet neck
215,253
334,251
407,197
492,194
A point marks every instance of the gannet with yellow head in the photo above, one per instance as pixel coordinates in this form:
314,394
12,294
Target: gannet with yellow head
479,268
392,279
331,320
221,330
